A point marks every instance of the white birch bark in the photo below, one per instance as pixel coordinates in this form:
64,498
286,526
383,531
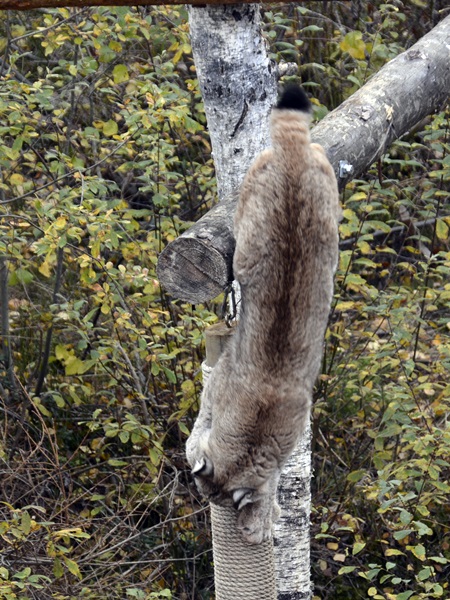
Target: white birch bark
238,86
292,530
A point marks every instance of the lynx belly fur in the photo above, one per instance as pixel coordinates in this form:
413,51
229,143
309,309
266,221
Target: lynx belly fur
257,400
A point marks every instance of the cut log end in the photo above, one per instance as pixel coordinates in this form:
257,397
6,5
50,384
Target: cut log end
192,270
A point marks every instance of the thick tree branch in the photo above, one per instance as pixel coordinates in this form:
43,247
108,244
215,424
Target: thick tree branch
197,265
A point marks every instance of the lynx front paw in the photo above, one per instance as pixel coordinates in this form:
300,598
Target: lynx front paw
255,523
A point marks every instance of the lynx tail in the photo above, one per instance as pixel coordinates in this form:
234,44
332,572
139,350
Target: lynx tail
289,128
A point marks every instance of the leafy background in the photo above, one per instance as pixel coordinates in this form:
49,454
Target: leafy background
104,159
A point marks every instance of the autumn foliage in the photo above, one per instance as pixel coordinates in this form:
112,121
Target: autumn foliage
104,158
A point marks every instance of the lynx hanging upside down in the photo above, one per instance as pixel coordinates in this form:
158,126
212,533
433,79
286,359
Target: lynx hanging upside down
257,400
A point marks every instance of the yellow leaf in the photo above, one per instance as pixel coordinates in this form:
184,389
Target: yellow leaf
358,196
441,229
16,179
364,247
346,305
44,269
120,74
348,214
339,557
105,309
332,546
393,552
176,57
60,222
74,366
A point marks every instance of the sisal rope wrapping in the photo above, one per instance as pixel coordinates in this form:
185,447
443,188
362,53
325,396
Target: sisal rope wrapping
241,571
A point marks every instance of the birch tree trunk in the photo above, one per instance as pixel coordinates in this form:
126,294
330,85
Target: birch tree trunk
411,86
238,85
292,530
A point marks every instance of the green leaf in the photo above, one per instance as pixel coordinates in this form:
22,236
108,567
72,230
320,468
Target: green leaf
170,375
424,573
23,574
72,566
41,408
418,551
357,547
400,535
120,74
440,559
59,400
115,462
183,428
26,522
110,128
58,570
313,28
422,528
124,437
356,476
20,276
344,570
354,45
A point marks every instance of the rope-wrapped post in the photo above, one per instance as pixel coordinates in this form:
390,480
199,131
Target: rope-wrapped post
241,571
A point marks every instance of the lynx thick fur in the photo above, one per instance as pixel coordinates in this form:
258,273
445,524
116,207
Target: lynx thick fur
257,400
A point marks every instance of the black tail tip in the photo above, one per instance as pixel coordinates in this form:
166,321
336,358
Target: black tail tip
294,98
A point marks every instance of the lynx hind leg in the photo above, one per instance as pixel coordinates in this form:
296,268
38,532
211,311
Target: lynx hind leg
198,440
197,443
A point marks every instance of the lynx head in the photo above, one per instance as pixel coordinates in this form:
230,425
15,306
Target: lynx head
231,480
214,491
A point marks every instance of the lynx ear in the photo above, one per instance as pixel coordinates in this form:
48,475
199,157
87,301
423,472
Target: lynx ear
241,497
203,468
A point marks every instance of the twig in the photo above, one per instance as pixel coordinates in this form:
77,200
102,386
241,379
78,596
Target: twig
4,323
48,339
142,397
348,243
70,173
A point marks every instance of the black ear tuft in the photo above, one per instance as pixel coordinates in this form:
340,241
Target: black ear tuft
294,98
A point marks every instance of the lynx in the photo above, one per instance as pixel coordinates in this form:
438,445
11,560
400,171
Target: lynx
257,400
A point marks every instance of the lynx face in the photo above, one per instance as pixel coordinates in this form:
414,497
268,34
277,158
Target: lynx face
256,505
